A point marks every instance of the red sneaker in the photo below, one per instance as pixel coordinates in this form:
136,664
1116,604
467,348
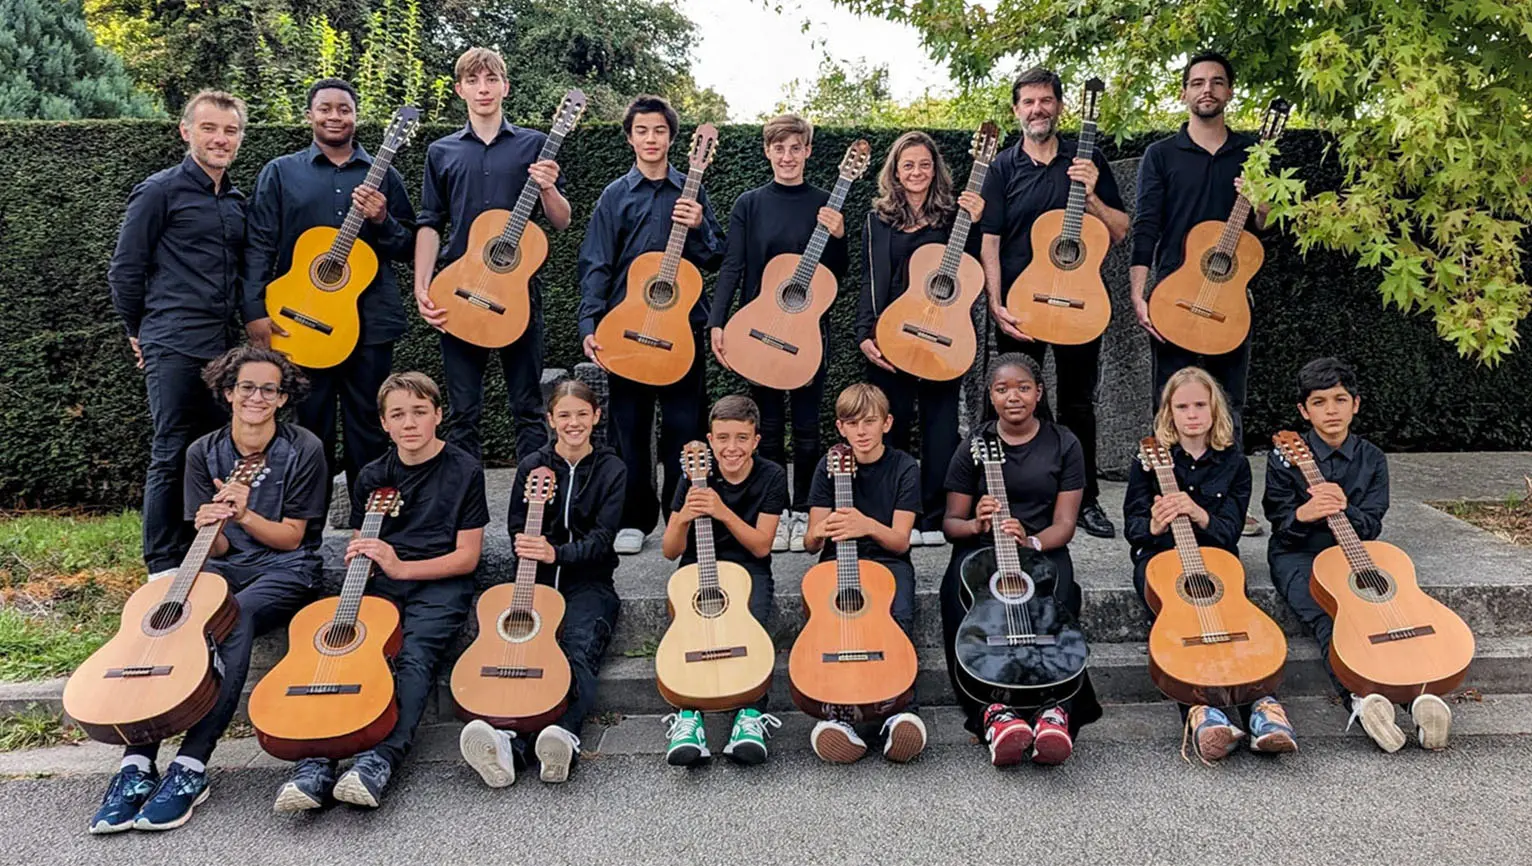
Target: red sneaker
1008,735
1052,744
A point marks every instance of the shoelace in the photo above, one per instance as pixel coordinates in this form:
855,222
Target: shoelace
1356,712
681,725
757,725
124,784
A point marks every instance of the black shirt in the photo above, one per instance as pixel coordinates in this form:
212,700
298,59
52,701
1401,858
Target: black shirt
901,246
763,491
886,273
582,519
175,272
1180,185
766,222
1218,481
1035,473
438,499
1018,190
1358,467
878,489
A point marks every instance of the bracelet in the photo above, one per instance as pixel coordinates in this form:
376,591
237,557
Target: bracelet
1036,544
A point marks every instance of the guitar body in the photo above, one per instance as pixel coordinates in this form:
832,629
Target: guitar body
514,675
828,681
487,292
146,684
1434,659
1217,673
647,337
296,717
775,341
932,339
1060,297
1196,307
720,662
317,309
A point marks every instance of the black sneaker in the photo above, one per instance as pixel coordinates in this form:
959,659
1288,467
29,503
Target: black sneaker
177,795
363,784
124,797
1095,522
309,787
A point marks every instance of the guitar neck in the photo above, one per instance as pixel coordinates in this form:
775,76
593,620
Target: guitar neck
1181,527
1228,241
847,574
1074,212
1345,534
707,556
191,566
340,248
952,256
530,191
816,248
526,569
357,574
677,242
1007,554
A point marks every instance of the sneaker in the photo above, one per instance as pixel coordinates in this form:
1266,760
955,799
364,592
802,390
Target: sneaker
1213,737
363,784
1051,742
1376,713
747,742
1433,721
556,750
1008,735
779,542
178,793
836,743
916,538
628,541
126,794
1252,526
488,751
688,741
1095,522
1270,731
169,572
904,737
312,782
800,528
933,538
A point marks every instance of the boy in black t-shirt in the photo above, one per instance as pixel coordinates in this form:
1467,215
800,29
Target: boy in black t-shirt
886,497
746,495
424,561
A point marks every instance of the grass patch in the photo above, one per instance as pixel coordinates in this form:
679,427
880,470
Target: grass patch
645,650
36,728
1509,518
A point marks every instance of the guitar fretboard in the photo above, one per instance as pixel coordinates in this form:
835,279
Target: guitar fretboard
201,548
511,234
340,248
816,247
707,557
526,569
1007,556
1228,240
1181,527
952,256
677,242
847,574
1345,534
1074,212
357,574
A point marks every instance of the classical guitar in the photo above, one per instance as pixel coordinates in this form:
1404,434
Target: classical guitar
774,341
1017,645
851,662
1060,297
332,695
647,337
315,302
157,676
1390,637
487,292
1204,305
928,331
1209,643
514,675
714,656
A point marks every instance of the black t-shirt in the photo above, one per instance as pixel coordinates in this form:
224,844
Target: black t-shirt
901,246
766,222
764,491
1035,473
878,489
440,498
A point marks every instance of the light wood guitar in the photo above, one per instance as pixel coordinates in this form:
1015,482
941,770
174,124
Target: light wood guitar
487,292
332,695
647,337
1209,644
1060,297
1390,637
514,675
714,656
775,341
851,662
158,676
1204,305
315,302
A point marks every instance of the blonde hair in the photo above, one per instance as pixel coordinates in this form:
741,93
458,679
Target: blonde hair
415,384
1220,432
784,125
861,401
478,60
219,100
893,207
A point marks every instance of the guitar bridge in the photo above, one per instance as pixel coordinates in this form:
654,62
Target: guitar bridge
1397,634
1021,640
1198,310
708,655
646,340
506,672
852,656
325,689
773,342
926,334
479,301
1058,301
138,672
1214,637
308,321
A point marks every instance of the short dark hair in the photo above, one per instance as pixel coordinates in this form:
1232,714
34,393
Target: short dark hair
1322,373
735,407
1025,363
222,373
330,84
571,387
648,103
1037,75
1208,57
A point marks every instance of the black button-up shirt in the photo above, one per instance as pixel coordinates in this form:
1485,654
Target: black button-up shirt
175,273
1019,189
1218,481
1357,466
1180,185
301,190
632,217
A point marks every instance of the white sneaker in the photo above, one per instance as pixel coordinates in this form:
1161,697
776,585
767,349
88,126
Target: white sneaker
488,751
629,541
556,749
837,743
780,542
916,539
904,737
800,528
934,538
1376,713
1433,721
169,572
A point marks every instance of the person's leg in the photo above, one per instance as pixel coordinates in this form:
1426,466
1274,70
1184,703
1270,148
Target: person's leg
1079,373
1290,577
1233,372
1166,359
522,363
180,408
762,590
773,430
463,366
432,615
683,419
631,416
953,612
317,414
1140,582
900,390
807,448
590,618
363,375
903,736
939,439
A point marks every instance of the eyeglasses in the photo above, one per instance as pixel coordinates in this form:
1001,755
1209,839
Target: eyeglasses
248,389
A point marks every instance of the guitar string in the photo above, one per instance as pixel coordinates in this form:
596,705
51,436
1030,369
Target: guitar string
994,482
516,217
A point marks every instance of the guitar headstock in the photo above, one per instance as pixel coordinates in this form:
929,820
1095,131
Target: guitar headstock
249,471
840,460
858,156
1090,107
571,107
986,449
1292,447
1276,119
403,125
541,483
696,460
385,500
704,145
1152,454
985,142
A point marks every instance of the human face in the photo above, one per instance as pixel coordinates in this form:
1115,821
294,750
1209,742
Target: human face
788,157
649,136
257,393
332,115
483,91
572,419
865,434
1191,409
1014,394
1037,111
733,445
1207,91
409,420
1331,411
213,135
915,168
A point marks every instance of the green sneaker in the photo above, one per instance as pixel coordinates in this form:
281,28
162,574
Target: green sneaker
747,742
688,741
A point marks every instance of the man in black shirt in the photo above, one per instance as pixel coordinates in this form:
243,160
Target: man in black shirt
1025,182
175,282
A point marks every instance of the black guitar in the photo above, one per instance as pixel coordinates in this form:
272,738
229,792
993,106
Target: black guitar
1018,645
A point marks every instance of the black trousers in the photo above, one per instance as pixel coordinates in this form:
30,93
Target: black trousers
903,611
806,445
1290,572
353,387
590,619
1231,370
522,363
762,588
938,433
1079,372
631,423
182,409
432,613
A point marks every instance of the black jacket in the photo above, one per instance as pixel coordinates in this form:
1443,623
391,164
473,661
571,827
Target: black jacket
582,519
878,271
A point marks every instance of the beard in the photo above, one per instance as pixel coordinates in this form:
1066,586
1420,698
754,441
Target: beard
1206,112
1032,133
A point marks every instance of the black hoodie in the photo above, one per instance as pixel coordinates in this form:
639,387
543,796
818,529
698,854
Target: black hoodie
581,521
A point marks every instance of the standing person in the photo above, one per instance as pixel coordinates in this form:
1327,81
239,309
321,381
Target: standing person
1025,182
316,186
915,206
766,222
481,167
1191,177
175,282
633,216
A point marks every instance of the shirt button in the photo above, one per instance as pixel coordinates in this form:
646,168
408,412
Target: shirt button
337,190
339,212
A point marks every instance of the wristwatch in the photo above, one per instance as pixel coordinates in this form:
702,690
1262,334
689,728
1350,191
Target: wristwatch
1036,545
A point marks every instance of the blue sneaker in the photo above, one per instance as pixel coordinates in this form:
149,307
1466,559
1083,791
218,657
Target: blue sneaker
124,797
1212,736
310,785
363,784
182,790
1270,731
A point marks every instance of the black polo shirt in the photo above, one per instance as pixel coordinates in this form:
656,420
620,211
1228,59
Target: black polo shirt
878,489
1357,466
1035,473
1218,481
1180,185
763,491
438,499
1019,189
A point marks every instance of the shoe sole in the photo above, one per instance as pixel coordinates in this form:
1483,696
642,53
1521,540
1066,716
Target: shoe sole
837,748
1377,719
101,828
1051,748
554,756
685,756
1011,747
746,753
1433,723
478,747
905,742
351,790
141,824
1217,743
293,799
1274,743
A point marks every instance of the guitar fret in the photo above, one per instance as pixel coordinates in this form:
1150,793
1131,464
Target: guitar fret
1345,534
847,574
677,241
340,248
357,574
1181,529
1074,212
526,569
1228,240
1007,554
958,239
809,261
517,224
707,558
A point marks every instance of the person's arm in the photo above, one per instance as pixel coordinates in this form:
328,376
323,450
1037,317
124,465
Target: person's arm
1147,220
143,223
705,244
758,538
1366,514
1281,500
197,491
263,228
813,536
866,318
1136,505
821,501
957,522
430,221
1105,201
394,237
597,264
1066,510
733,269
462,560
597,543
550,193
516,509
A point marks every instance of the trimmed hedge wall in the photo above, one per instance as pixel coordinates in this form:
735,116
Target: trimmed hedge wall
74,425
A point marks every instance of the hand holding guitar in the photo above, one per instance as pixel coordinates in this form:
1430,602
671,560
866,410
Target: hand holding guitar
1009,324
544,174
715,337
984,512
591,348
688,213
1324,500
535,548
834,221
1141,310
702,502
870,349
1170,506
379,551
372,203
1085,171
973,203
260,332
847,524
435,316
233,493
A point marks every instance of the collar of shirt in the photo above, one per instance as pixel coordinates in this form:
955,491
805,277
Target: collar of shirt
1209,457
634,177
1067,149
358,154
1322,449
201,178
1232,141
506,128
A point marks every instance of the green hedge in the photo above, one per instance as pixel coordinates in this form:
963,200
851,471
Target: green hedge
74,424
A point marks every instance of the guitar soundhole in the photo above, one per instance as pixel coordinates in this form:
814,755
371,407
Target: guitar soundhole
1373,584
1200,589
793,297
1217,266
501,256
329,273
942,288
1066,254
1011,588
660,294
849,601
518,626
338,635
164,617
710,602
339,638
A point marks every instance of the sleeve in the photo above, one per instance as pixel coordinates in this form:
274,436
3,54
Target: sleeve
993,191
1284,493
837,257
128,276
395,238
366,482
907,490
596,544
733,269
304,497
263,225
1136,503
774,499
821,489
962,474
473,513
1227,522
1071,464
866,319
516,512
1106,183
197,487
974,243
1366,515
1148,216
678,499
597,264
434,194
705,244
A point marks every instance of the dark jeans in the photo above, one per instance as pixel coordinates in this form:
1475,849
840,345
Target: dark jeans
590,618
1290,572
354,384
631,423
806,446
939,437
522,364
267,600
432,613
1079,372
762,587
1231,370
182,409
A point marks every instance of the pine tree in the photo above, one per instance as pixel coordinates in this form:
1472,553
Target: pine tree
52,69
